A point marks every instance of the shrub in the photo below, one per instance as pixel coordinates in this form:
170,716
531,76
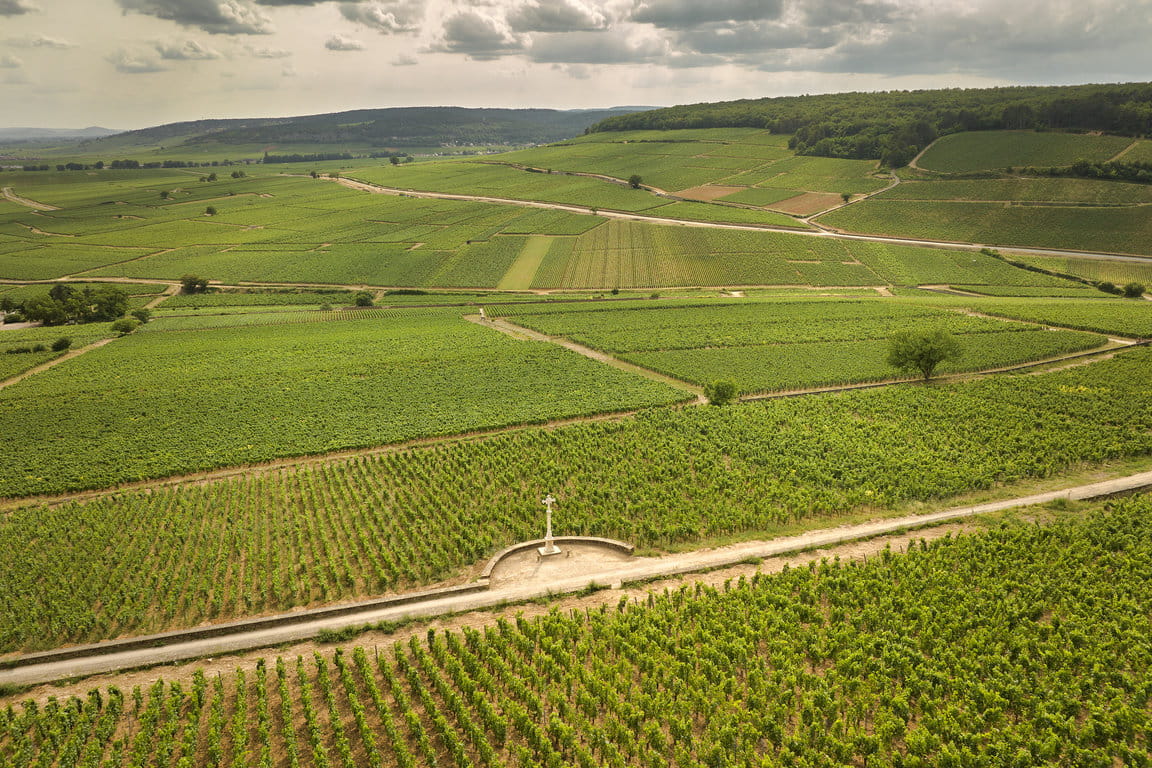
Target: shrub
125,325
210,211
143,314
364,299
61,344
1133,290
721,392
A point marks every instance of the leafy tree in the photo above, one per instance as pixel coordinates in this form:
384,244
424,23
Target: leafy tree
165,194
193,284
394,160
635,181
61,344
210,211
1134,290
143,314
125,325
721,392
922,351
212,176
1108,287
107,304
845,196
364,299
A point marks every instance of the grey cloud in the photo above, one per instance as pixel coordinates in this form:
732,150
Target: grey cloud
556,16
134,62
595,48
479,37
10,62
684,14
341,43
16,7
38,41
388,17
405,60
217,17
189,50
735,39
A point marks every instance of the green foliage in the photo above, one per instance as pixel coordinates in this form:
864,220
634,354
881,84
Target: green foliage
721,392
125,325
65,304
143,314
922,351
1133,290
290,389
61,344
193,284
635,181
364,298
1013,646
258,543
993,150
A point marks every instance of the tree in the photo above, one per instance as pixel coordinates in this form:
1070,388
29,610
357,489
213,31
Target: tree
125,325
635,181
212,176
1133,290
922,351
210,211
193,284
1107,287
364,299
721,392
845,196
395,160
164,194
61,344
107,304
143,314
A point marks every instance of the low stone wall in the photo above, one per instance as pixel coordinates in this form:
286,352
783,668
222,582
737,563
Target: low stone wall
619,546
234,627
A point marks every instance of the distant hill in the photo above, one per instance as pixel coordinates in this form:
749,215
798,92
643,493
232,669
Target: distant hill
394,127
894,125
36,134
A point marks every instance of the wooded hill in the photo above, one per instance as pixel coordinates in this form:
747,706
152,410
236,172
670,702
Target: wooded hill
894,125
396,127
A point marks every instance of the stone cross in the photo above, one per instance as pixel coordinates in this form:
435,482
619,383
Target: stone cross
549,547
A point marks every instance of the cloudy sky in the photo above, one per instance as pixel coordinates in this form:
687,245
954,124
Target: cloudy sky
133,63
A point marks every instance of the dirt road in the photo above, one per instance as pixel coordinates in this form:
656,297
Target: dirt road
610,574
15,198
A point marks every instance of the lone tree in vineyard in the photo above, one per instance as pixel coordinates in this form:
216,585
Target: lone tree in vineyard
922,351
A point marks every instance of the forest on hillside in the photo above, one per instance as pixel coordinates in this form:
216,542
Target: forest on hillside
893,126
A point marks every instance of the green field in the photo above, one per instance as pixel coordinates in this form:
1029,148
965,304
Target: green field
782,345
1033,190
1023,642
155,403
316,534
1111,229
995,150
1116,272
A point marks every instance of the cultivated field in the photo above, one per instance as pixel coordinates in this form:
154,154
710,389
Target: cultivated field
996,150
340,529
880,662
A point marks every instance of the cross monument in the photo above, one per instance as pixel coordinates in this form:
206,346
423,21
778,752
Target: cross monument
549,547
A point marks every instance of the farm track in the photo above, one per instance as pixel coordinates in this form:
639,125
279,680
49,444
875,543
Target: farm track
823,231
616,575
15,198
53,362
519,331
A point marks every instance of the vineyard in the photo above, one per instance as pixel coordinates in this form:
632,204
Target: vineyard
127,411
1111,229
146,561
777,345
996,150
1117,272
1022,645
1080,191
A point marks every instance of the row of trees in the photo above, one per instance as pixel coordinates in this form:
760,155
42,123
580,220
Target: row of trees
894,126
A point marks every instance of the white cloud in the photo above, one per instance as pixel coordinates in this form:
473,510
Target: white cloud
268,53
478,36
187,50
39,41
341,43
10,62
556,16
133,62
405,60
386,16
